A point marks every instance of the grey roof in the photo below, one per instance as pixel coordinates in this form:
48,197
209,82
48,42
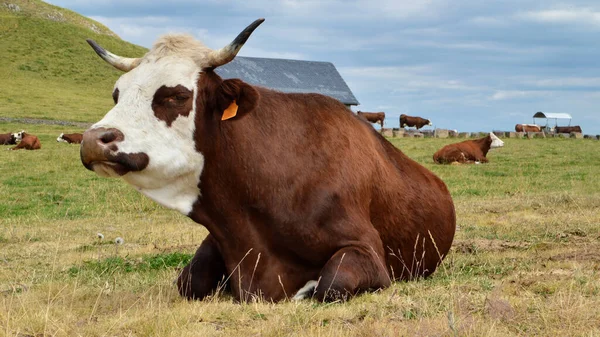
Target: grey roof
291,76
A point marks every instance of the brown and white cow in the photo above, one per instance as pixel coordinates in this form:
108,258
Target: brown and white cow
528,128
11,138
417,122
567,129
468,151
373,117
28,142
300,197
71,138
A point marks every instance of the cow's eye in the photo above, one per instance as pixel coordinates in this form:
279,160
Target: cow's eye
181,97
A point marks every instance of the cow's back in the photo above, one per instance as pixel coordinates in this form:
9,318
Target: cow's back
402,211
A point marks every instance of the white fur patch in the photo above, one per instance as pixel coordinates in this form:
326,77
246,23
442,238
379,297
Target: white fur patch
173,172
60,138
306,291
496,142
19,135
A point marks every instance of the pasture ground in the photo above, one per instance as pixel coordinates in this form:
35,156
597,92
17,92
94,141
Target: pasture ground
525,261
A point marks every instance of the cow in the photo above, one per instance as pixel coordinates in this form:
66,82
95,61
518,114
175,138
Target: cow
28,142
71,138
301,198
528,128
373,117
416,122
567,129
468,151
11,138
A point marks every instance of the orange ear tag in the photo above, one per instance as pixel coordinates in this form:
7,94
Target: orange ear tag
230,112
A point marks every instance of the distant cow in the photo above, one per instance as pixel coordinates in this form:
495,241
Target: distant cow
11,138
300,196
528,128
28,142
469,151
373,117
410,121
567,129
71,138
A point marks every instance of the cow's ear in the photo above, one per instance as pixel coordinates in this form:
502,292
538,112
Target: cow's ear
237,98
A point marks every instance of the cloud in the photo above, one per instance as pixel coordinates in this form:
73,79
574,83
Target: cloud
518,94
564,16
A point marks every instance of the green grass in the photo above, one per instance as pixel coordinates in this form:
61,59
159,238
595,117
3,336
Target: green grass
53,72
524,262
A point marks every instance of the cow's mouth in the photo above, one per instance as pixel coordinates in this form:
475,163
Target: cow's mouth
116,165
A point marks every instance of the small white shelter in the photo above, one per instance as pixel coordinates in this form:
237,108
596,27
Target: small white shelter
552,115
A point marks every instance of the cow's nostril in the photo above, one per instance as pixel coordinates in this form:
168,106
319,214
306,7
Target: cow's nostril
110,136
107,137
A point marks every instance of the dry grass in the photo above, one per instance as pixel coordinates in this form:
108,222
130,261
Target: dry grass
525,261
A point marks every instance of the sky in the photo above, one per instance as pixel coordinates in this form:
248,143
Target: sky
469,65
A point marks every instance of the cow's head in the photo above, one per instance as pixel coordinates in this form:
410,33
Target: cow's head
148,137
429,122
60,138
496,142
18,136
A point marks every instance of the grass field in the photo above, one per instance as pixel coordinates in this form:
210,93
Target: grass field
525,261
48,69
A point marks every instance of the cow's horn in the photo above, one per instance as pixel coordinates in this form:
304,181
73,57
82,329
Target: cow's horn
226,54
121,63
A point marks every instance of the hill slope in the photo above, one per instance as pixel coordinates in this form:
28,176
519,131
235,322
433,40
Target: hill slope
48,69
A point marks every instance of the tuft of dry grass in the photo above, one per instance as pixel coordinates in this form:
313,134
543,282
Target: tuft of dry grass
525,260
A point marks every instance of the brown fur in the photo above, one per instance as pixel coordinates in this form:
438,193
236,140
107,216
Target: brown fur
297,188
73,138
373,117
7,139
468,151
410,121
29,142
567,129
528,128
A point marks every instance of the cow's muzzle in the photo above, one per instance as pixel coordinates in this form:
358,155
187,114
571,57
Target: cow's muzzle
100,153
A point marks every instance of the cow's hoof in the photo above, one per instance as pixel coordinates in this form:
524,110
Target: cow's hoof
307,291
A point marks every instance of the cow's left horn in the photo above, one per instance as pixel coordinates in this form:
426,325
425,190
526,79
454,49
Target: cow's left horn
227,54
121,63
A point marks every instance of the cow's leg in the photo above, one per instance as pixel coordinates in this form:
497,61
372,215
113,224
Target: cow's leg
202,275
350,270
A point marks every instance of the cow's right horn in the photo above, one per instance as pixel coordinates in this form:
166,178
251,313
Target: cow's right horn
119,62
227,54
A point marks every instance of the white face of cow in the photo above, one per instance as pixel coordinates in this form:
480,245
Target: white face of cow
496,142
60,138
148,137
173,171
19,135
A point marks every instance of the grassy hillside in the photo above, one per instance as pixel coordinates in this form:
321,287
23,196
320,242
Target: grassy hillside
48,69
525,261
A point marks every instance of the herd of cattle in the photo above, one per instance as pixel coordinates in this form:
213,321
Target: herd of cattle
27,141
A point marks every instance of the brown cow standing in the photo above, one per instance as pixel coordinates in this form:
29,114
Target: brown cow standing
373,117
528,128
28,142
300,196
71,138
11,138
468,151
567,129
410,121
